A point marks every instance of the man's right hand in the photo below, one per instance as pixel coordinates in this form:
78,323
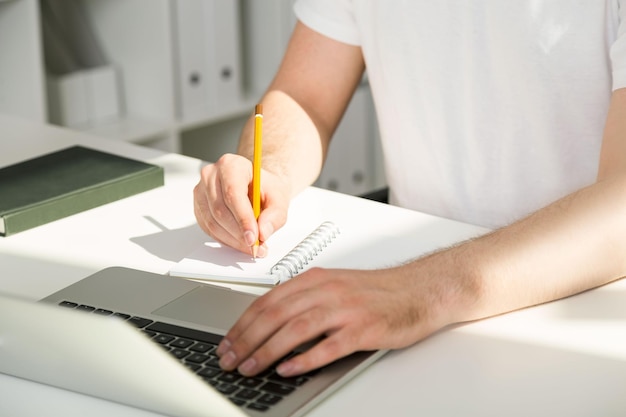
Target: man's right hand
222,203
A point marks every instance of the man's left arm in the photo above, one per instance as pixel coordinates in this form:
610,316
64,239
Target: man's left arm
572,245
613,154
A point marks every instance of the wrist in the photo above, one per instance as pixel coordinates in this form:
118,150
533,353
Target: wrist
449,282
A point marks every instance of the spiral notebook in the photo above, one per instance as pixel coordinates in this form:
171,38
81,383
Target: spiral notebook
216,262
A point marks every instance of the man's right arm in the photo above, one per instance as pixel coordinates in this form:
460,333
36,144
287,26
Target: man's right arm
302,109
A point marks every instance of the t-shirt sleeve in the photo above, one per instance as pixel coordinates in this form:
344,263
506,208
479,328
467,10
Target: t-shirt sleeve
331,18
618,50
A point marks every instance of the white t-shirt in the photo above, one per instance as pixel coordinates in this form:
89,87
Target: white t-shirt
488,109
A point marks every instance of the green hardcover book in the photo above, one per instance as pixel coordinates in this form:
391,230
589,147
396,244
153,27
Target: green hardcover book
66,182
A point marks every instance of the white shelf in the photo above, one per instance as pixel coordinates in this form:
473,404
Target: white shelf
131,130
142,40
138,38
22,90
194,121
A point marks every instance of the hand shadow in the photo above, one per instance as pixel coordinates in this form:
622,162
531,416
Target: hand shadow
171,244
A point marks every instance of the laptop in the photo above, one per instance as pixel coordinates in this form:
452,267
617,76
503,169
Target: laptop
148,340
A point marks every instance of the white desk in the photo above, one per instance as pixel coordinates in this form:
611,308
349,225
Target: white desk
566,358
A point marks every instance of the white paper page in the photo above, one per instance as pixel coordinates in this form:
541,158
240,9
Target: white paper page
216,262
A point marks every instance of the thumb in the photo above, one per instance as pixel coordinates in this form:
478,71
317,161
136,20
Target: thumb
270,220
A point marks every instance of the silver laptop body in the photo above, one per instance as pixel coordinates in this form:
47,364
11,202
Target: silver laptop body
110,358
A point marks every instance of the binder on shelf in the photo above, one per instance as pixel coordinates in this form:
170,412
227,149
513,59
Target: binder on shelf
208,52
103,89
227,37
84,98
267,27
67,99
69,41
83,89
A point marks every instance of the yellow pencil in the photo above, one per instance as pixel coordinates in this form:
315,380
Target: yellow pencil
256,168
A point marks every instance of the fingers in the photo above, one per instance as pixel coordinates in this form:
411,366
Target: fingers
222,208
301,310
328,350
260,321
216,221
222,205
230,209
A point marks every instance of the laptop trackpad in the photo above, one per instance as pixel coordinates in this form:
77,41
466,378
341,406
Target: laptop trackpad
215,307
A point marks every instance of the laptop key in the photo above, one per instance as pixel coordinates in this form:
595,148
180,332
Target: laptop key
209,372
230,377
85,308
179,353
197,358
250,382
247,394
226,389
212,382
163,339
139,322
201,347
68,304
269,399
237,401
185,332
149,333
277,389
193,366
214,361
181,343
258,407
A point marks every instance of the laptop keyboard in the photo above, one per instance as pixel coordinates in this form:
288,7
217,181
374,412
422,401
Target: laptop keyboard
196,350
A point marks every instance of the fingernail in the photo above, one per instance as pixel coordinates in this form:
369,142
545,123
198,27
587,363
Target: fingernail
248,236
248,367
262,251
223,347
228,360
286,369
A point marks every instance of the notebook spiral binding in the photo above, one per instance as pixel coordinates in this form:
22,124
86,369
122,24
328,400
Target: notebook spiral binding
304,252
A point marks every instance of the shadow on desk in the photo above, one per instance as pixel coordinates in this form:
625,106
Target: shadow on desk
171,244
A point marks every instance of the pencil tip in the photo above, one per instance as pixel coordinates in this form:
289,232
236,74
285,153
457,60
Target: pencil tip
255,251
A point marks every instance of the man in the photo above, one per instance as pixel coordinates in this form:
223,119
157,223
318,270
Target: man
510,115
